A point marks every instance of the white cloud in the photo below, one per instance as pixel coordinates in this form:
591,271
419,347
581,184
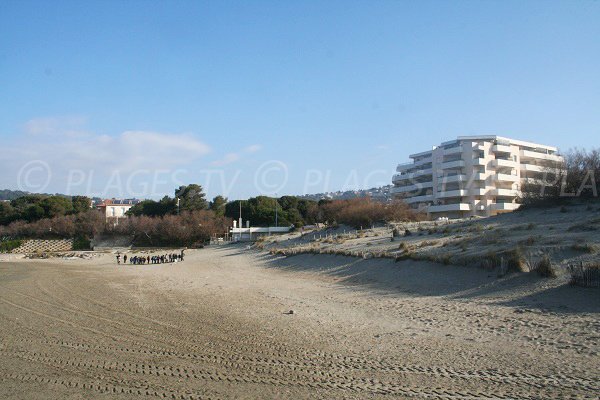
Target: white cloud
253,148
65,146
228,159
233,157
54,125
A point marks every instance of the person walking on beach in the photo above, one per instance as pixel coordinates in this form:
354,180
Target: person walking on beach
124,258
118,259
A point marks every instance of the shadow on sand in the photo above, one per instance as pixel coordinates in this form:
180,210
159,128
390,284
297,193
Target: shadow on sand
418,278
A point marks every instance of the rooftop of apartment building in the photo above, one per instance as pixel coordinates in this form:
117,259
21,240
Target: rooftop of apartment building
488,138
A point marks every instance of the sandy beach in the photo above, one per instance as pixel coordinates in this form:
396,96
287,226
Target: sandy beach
219,325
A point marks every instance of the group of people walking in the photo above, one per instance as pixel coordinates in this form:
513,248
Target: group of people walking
158,259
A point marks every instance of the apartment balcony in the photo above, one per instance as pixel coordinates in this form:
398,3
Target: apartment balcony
411,175
507,178
452,150
480,176
535,181
452,164
528,154
411,188
480,161
461,193
505,192
504,206
479,147
452,178
449,207
408,165
418,199
501,148
503,163
423,161
533,168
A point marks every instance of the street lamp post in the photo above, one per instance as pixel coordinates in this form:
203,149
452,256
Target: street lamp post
275,210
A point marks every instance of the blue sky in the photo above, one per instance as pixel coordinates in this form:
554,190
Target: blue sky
124,98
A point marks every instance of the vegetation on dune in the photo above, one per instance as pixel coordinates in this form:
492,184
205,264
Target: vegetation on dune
577,176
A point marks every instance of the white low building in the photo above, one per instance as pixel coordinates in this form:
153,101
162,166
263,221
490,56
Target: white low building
473,175
239,233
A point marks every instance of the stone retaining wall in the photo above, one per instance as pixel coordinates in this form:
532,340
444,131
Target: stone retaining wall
37,245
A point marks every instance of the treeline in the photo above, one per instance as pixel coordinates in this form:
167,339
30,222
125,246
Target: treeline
34,207
283,211
290,210
577,176
185,219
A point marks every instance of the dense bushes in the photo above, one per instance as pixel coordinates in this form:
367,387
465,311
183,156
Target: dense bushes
262,210
177,230
187,229
363,212
35,207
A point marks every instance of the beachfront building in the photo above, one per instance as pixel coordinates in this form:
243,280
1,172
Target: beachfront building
238,233
115,209
473,175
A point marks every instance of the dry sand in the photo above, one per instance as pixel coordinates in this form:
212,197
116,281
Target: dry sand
216,326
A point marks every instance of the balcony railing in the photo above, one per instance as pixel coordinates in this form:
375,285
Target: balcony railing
537,168
504,163
449,207
452,164
461,193
540,156
419,199
411,188
507,177
452,178
411,175
501,148
452,150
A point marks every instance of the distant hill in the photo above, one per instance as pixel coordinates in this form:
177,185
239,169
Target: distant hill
6,194
381,194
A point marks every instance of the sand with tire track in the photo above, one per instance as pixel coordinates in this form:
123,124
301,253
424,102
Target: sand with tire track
217,326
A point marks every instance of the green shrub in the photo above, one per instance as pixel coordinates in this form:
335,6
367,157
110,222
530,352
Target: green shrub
7,246
81,243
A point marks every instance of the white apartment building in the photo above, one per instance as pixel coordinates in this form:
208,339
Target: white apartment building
472,175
